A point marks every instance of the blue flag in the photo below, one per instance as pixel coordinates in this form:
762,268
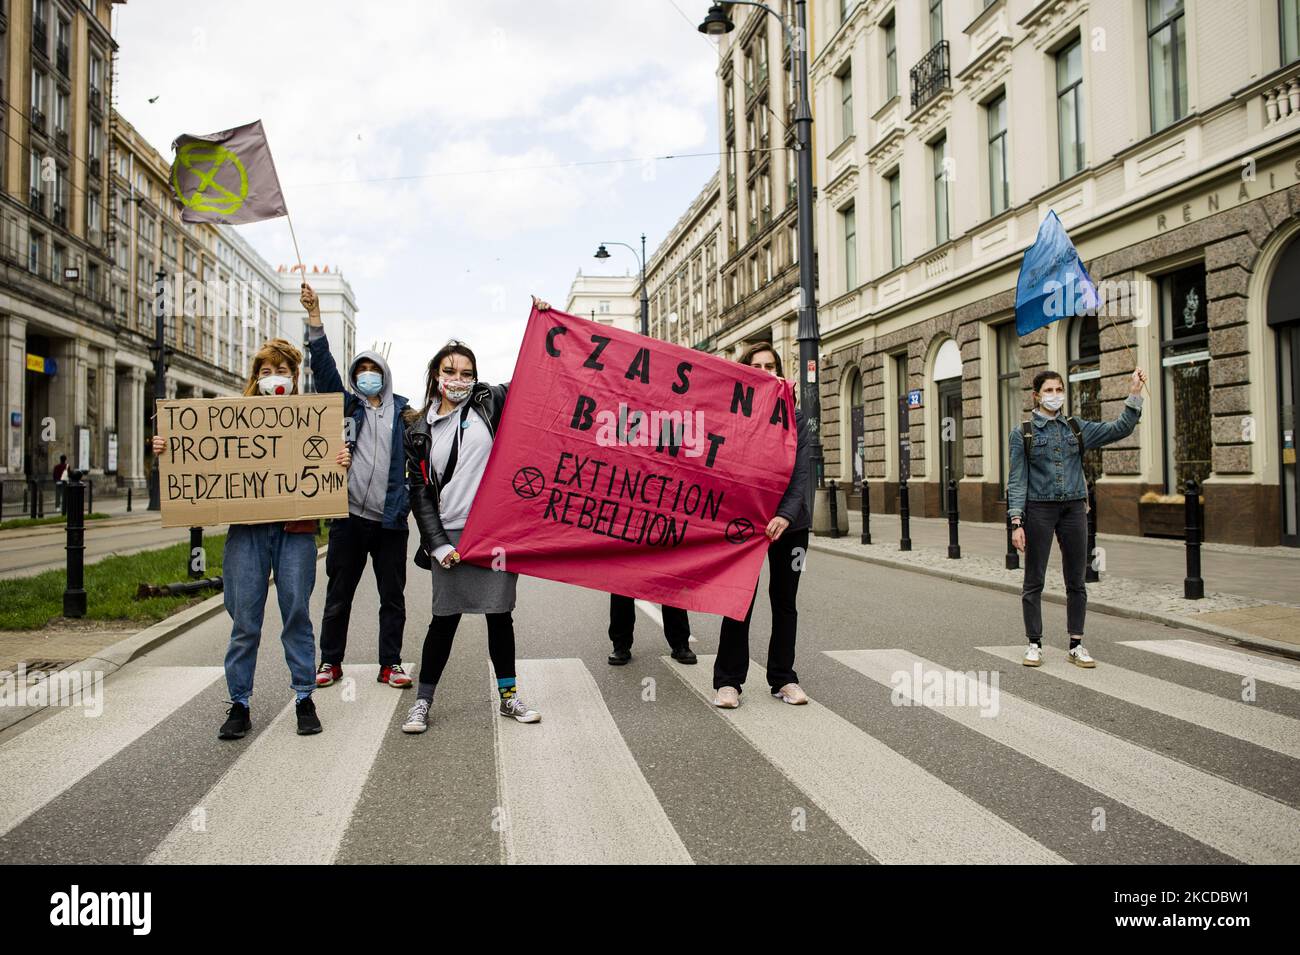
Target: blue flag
1053,282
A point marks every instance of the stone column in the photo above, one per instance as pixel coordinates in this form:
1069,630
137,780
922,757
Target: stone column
130,428
13,381
68,397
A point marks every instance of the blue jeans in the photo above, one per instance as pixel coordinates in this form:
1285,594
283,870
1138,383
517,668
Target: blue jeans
253,551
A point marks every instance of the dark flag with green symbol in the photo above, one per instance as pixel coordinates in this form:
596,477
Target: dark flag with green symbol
226,177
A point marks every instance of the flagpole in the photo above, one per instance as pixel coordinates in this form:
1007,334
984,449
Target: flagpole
289,219
1123,341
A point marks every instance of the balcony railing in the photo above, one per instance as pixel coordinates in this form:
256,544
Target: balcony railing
92,165
61,216
61,59
38,120
36,200
931,75
95,97
40,37
61,138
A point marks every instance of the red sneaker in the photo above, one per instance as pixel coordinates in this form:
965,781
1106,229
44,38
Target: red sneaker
394,676
327,674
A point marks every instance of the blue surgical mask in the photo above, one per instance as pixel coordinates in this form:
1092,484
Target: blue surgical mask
369,383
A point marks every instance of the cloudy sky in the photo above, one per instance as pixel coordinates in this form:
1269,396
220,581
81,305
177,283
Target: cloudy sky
450,158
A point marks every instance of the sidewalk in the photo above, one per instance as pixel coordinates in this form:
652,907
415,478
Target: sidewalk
1252,594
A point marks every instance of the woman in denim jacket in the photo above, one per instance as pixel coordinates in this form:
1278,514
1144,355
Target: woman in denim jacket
1046,495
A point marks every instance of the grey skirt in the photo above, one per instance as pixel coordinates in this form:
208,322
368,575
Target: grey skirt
466,588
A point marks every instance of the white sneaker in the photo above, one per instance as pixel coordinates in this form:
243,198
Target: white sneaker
417,720
1080,658
727,698
1033,656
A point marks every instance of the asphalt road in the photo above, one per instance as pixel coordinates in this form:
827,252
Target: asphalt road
1151,757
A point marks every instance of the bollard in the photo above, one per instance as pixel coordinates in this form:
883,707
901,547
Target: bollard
954,546
90,497
1090,575
835,510
904,517
866,512
1193,585
1013,555
74,591
196,547
40,498
128,500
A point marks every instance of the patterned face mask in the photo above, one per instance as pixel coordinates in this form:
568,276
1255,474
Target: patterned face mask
454,389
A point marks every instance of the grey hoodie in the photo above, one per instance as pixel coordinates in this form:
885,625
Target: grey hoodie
373,451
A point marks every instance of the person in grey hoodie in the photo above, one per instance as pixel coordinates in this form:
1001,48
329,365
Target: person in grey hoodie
378,504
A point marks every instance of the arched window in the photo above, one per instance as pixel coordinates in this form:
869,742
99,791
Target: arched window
1084,382
857,429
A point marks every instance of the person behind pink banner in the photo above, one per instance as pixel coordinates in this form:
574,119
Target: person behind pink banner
788,533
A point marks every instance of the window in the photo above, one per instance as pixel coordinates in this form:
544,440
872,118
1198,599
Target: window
936,22
1289,24
1167,61
96,74
794,245
94,215
845,7
767,262
753,273
1185,358
58,258
61,112
96,137
38,100
895,221
891,59
1010,398
1083,379
35,251
846,102
850,225
999,189
939,159
1069,108
604,307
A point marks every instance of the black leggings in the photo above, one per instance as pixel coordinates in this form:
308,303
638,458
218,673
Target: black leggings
437,648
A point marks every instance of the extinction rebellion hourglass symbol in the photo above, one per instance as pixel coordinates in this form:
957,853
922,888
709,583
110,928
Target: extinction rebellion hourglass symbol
528,482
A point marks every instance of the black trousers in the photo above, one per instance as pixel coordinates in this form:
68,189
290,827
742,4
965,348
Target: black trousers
731,665
437,648
352,540
1068,521
622,623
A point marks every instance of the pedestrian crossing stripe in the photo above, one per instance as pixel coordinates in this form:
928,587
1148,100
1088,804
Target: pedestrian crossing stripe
1243,721
1236,821
884,801
1219,658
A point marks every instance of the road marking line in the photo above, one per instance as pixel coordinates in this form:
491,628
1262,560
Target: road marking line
52,756
886,803
1232,718
289,798
1236,821
1218,658
570,787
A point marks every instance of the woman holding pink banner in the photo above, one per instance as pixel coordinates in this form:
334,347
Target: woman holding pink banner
254,552
448,442
787,533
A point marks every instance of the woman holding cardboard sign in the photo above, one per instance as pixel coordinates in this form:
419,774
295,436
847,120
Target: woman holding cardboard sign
447,446
253,552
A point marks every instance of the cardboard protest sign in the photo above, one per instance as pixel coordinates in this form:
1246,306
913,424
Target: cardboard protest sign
251,460
634,466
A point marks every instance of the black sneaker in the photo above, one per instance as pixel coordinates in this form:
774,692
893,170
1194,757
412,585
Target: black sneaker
619,656
308,722
237,723
684,655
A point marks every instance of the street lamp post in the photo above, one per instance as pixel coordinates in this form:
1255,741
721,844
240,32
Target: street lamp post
716,22
158,353
603,253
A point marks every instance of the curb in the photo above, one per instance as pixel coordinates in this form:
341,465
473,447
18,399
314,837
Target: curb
1168,619
117,655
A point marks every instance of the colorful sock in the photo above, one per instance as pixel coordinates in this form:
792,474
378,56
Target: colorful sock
1075,641
506,687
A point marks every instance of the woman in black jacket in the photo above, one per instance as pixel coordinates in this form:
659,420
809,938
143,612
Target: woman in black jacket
788,533
447,446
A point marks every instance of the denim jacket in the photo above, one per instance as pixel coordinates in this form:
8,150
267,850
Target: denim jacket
1055,467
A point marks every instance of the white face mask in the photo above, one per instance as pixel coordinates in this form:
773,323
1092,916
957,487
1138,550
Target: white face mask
274,385
455,390
1052,403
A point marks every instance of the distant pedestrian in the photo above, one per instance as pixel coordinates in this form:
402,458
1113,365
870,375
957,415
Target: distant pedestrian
1047,496
378,505
60,478
787,533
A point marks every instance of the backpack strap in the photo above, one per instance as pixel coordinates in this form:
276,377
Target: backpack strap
1073,422
1027,435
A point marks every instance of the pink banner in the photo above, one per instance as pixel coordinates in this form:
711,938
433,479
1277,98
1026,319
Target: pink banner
634,466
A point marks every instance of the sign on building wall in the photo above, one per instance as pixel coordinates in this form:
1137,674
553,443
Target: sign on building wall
111,466
251,460
83,449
